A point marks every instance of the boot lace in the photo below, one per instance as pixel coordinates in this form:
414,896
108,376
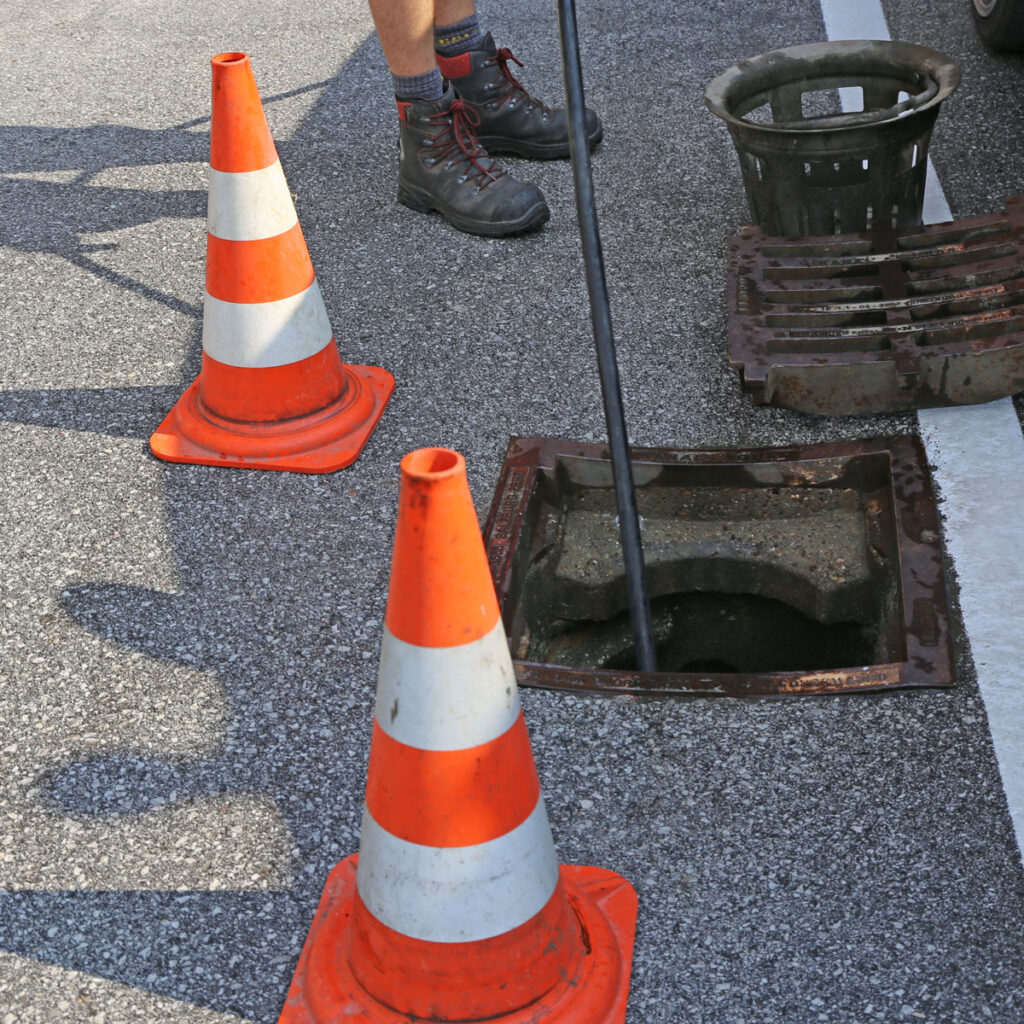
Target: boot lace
457,144
510,89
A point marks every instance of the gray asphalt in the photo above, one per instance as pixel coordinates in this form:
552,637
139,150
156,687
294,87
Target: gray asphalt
189,654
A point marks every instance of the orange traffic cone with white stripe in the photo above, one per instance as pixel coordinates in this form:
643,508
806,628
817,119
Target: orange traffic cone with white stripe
455,907
273,392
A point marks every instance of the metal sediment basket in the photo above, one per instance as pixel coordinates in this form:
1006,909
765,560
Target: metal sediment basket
810,168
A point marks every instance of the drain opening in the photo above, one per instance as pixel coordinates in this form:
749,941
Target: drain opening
783,572
745,575
712,632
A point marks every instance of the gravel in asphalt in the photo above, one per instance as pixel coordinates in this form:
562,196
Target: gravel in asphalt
189,654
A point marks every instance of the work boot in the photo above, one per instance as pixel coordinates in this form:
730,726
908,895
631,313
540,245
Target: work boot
511,120
442,166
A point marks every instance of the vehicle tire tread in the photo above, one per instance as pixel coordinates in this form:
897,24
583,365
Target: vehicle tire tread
1003,29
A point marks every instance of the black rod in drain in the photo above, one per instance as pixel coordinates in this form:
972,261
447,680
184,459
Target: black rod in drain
601,317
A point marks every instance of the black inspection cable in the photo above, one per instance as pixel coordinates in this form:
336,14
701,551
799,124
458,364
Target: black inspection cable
601,317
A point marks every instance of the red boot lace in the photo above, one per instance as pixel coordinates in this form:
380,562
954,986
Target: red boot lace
512,87
461,146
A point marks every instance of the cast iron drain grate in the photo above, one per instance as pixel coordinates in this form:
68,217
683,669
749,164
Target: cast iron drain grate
785,571
880,321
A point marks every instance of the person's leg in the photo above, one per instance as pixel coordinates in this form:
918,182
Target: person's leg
406,31
456,27
441,165
448,12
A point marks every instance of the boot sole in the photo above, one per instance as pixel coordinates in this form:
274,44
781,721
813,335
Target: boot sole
423,202
532,150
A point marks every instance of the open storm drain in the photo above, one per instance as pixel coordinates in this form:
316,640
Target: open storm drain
772,571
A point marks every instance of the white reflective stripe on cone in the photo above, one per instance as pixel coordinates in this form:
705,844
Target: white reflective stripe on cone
446,698
458,893
248,205
254,334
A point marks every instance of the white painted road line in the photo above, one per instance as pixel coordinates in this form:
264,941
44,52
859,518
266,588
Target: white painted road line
978,458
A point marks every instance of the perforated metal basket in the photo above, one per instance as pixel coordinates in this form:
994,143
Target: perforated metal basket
811,168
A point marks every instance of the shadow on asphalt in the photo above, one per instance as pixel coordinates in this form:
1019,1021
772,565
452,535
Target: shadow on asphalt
238,614
53,215
119,412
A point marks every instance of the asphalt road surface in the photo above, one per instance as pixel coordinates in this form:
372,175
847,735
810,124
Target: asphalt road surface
189,654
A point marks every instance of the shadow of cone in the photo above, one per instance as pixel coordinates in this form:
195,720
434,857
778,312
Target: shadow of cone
273,392
455,908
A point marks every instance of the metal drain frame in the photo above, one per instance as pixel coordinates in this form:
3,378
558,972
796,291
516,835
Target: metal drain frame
867,323
929,656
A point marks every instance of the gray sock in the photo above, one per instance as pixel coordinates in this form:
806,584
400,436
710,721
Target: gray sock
428,86
463,36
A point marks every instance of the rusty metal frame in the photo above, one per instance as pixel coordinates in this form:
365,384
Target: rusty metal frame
883,320
929,658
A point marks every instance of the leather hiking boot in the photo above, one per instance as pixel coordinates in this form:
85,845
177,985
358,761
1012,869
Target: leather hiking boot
511,120
442,166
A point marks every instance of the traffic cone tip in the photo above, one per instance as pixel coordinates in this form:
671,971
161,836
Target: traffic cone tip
440,593
240,138
429,465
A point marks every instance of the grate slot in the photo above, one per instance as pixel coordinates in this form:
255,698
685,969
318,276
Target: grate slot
933,256
978,300
798,250
815,272
819,343
962,301
953,235
824,292
953,333
827,316
1006,270
954,255
947,325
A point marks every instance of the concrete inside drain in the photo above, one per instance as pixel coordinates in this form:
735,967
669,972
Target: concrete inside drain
769,572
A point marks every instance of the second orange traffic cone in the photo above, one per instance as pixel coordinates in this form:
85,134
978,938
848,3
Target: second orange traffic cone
273,392
455,908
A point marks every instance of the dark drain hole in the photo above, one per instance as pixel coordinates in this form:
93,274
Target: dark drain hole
707,665
717,632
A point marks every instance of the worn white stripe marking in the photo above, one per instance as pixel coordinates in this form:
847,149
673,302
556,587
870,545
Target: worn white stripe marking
247,205
254,334
978,455
461,893
447,698
862,20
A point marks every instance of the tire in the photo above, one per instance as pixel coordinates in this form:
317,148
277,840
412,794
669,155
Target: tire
1000,23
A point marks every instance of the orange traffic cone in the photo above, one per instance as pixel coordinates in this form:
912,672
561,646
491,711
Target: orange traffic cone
273,392
455,908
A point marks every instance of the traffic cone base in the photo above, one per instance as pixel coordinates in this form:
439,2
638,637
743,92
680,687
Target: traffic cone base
320,442
325,991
